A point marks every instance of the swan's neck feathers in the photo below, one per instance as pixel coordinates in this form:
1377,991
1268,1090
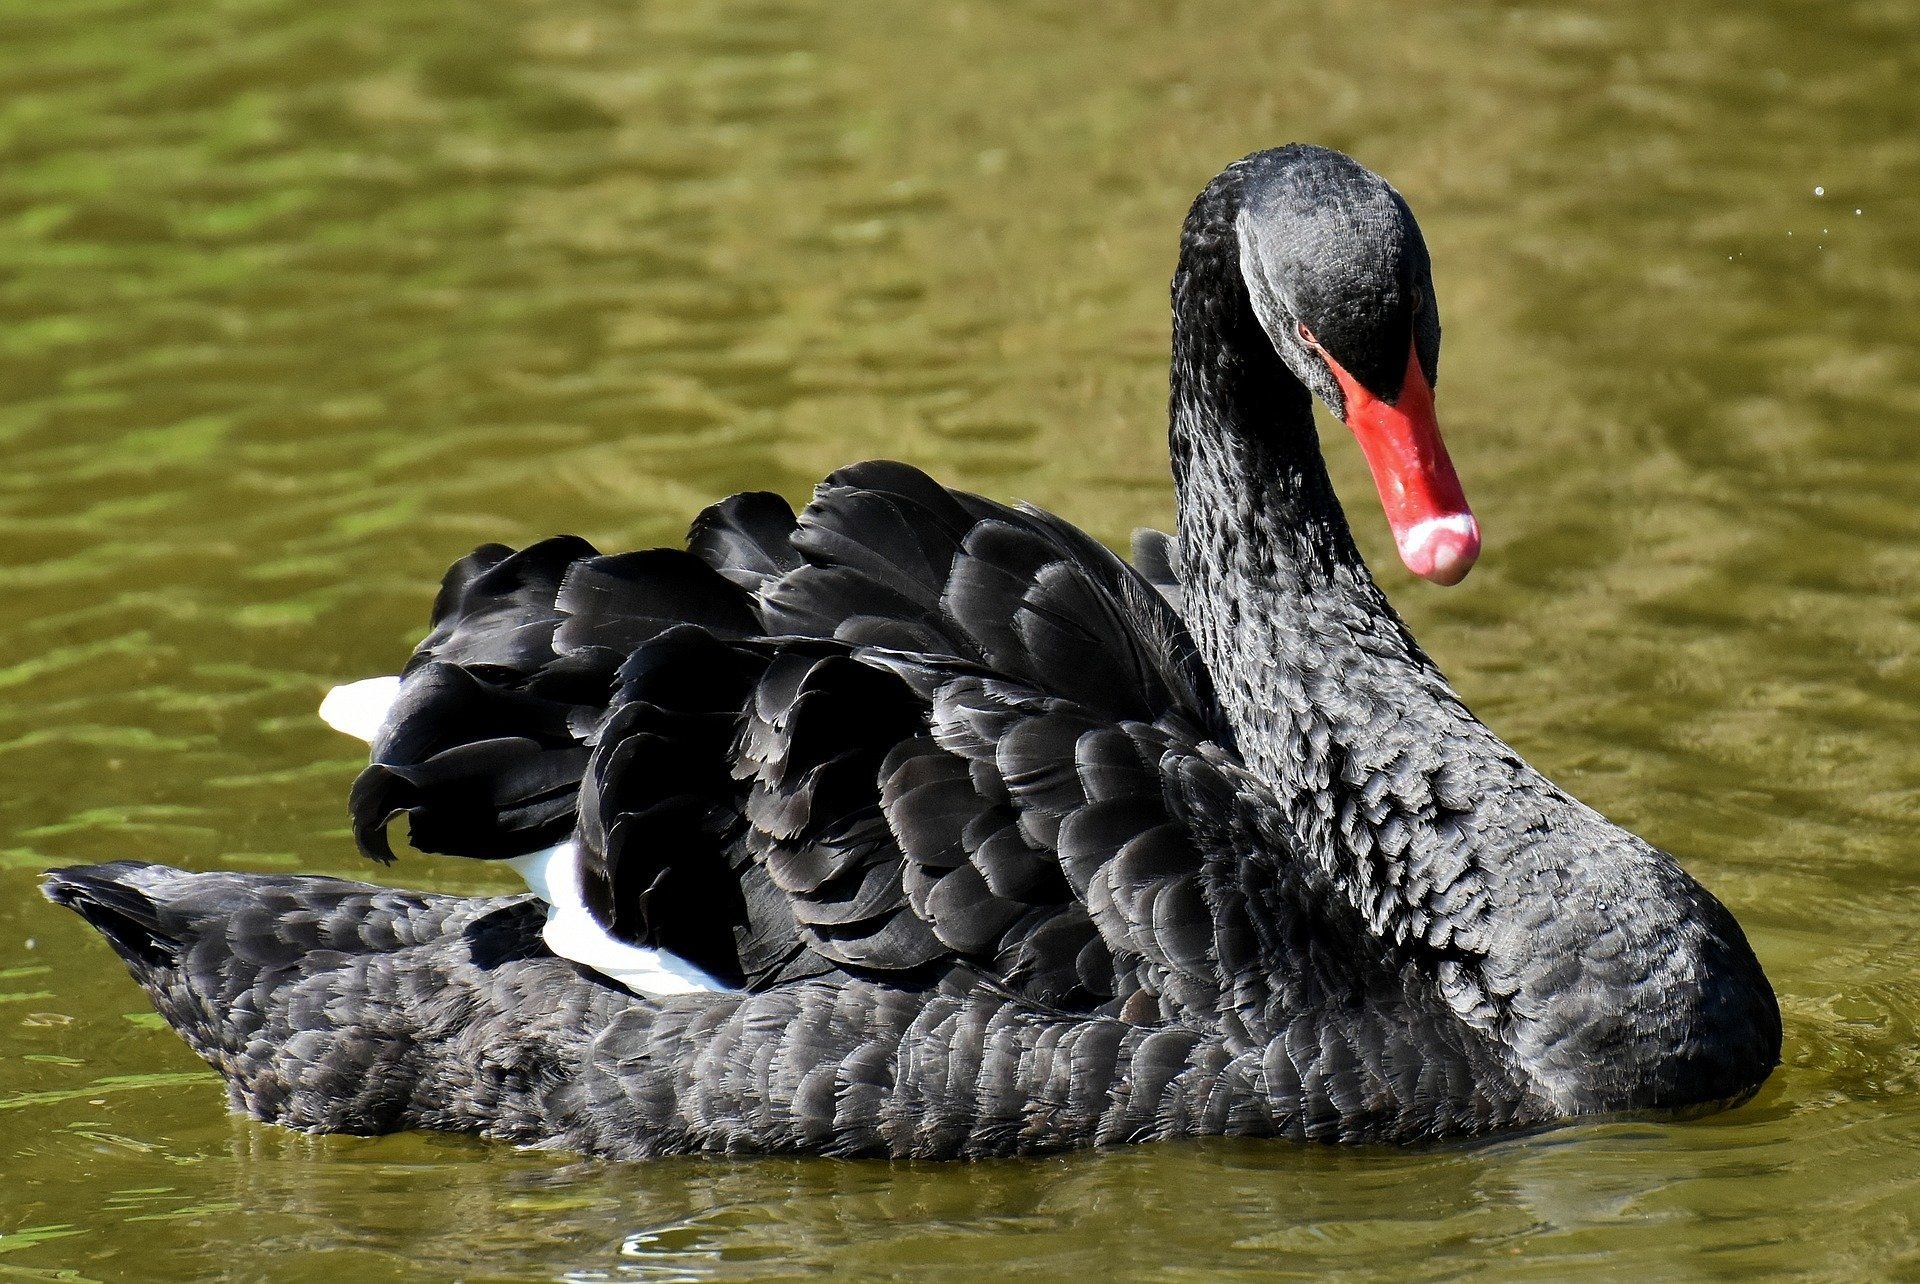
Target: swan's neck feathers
360,709
573,933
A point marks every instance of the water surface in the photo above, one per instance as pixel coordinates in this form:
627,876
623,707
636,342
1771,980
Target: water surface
300,301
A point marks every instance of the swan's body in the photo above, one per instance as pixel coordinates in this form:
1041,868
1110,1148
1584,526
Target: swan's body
921,825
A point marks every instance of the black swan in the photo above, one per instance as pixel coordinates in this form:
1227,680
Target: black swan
920,825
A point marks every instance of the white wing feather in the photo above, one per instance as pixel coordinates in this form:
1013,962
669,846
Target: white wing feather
360,708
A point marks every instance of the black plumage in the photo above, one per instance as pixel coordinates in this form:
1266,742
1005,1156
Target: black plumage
1001,844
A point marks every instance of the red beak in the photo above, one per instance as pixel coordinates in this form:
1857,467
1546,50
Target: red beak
1432,525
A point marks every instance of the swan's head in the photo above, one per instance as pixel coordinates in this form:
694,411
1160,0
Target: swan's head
1339,278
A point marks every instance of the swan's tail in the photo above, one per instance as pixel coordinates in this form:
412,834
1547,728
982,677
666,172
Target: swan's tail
341,1007
112,898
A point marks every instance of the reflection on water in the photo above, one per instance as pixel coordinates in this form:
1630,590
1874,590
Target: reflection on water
298,302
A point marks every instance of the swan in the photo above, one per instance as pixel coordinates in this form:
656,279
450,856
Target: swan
919,825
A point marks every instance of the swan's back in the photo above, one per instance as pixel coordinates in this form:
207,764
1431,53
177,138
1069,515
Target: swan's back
910,736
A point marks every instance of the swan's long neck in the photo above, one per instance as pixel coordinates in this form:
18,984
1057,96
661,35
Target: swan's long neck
1280,604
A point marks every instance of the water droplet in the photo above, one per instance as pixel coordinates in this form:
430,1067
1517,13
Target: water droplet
1819,191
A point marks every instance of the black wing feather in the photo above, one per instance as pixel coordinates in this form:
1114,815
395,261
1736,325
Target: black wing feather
910,734
523,656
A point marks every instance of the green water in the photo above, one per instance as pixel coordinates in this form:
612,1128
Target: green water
300,300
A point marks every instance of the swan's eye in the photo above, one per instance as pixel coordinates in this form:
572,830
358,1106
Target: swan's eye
1306,335
1416,300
